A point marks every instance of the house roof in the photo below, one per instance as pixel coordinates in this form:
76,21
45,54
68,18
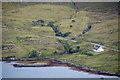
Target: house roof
38,52
96,47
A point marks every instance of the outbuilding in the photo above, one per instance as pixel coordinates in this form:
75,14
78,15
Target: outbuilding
98,48
39,52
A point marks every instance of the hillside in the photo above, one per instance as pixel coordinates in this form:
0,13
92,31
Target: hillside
21,35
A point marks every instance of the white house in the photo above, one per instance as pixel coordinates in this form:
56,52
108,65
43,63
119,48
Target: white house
98,48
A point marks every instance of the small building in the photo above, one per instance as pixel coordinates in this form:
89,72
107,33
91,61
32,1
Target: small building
36,22
39,52
98,48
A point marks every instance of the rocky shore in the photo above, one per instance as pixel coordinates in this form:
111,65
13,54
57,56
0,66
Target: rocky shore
55,62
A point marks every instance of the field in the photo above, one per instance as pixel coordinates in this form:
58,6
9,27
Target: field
20,36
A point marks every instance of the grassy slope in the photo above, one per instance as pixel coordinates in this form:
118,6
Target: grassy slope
18,23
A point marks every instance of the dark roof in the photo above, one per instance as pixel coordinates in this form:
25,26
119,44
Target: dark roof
96,47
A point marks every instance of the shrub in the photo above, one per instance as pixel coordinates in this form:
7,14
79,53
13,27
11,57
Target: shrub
89,27
77,48
33,54
89,53
59,34
66,46
101,43
18,38
83,32
50,24
55,52
10,57
42,25
56,30
66,34
70,25
71,50
73,20
40,21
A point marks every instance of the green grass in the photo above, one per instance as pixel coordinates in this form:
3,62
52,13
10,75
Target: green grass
17,27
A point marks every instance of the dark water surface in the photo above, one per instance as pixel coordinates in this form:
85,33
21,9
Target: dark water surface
8,71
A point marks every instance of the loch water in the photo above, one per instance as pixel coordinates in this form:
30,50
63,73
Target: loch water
9,71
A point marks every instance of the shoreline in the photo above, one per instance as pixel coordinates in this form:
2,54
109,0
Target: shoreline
54,62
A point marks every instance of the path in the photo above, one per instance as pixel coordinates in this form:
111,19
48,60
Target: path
58,38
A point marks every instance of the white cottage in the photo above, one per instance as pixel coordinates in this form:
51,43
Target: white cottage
98,48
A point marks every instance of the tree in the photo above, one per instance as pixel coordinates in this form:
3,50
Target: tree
55,52
59,34
73,20
50,24
65,45
89,27
71,51
66,34
77,48
70,25
89,53
42,25
33,54
40,21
